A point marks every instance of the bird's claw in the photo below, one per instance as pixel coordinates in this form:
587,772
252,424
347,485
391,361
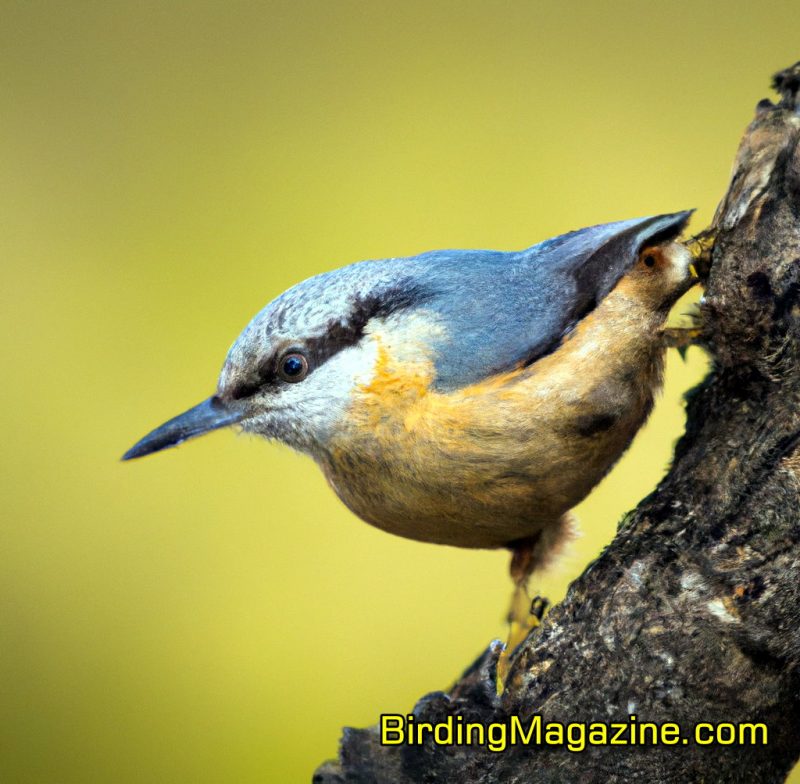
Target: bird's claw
681,338
524,616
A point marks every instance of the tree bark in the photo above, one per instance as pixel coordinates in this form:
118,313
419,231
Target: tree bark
692,613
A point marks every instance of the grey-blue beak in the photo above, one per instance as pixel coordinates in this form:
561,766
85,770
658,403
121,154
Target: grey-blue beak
209,415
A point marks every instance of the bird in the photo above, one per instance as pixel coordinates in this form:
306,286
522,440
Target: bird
462,397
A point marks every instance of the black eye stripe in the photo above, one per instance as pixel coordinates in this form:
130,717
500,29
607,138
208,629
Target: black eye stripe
338,335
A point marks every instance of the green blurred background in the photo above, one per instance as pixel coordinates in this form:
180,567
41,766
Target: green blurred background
213,614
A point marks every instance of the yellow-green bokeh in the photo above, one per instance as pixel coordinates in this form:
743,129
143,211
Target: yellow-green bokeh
213,614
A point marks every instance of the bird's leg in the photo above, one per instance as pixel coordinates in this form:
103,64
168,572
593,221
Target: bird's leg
524,614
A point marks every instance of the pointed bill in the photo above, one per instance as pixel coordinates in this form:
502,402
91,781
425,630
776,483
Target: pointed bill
209,415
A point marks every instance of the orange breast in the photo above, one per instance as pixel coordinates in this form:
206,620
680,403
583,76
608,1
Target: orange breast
503,458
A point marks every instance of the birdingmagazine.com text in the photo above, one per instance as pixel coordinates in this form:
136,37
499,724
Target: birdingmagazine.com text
397,729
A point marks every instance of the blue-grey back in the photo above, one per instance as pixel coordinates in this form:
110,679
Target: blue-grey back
498,309
502,309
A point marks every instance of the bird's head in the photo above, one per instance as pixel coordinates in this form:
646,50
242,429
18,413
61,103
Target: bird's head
292,373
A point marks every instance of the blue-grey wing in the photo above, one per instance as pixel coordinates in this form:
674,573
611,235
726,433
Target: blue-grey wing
502,309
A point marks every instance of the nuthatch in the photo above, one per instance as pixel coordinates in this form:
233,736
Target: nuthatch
463,397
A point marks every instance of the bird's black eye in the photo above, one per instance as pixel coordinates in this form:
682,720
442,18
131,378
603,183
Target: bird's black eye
649,261
293,367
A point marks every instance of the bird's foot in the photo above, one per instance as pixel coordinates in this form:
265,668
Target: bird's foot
681,338
524,616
